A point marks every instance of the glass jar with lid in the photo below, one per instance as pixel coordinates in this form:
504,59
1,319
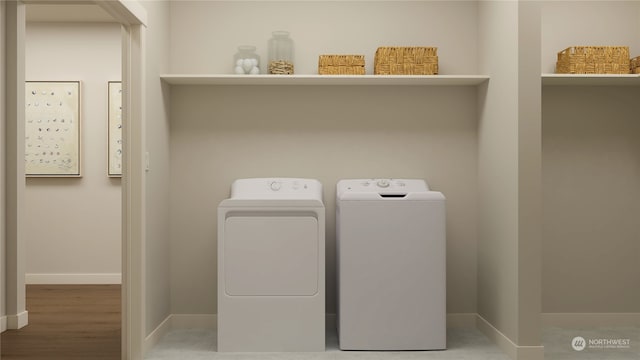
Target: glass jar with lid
280,53
246,61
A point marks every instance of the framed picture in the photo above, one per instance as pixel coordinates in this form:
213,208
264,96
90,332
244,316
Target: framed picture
115,128
52,129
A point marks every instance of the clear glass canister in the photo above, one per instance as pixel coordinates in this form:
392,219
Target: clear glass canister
280,53
246,61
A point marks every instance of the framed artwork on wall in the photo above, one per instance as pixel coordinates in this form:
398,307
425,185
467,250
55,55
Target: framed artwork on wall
52,129
115,129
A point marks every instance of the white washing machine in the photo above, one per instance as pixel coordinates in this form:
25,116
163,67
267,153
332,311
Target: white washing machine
391,251
271,272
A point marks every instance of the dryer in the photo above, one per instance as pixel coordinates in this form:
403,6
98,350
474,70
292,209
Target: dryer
391,256
271,272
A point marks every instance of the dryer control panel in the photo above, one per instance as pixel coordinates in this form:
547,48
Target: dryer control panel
276,188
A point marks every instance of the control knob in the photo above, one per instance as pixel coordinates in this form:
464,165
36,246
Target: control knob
275,185
383,183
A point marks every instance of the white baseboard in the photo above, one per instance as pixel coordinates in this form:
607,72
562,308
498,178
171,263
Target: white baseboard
73,279
179,321
156,335
505,344
15,322
208,321
590,319
3,323
194,321
461,320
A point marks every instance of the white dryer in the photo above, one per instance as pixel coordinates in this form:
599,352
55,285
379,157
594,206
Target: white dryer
391,251
271,272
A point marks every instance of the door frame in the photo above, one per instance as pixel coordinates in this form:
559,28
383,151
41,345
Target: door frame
132,16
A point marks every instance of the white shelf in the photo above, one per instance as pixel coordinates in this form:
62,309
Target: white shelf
428,80
590,79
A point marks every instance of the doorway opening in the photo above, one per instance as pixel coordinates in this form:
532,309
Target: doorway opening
72,230
131,17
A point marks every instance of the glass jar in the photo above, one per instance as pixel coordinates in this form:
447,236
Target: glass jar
280,53
246,61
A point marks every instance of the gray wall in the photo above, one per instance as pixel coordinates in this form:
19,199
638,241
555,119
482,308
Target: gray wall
157,186
219,134
591,200
428,133
579,23
509,176
590,168
14,250
3,310
497,168
205,34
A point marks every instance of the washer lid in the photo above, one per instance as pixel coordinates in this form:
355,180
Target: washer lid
276,188
376,189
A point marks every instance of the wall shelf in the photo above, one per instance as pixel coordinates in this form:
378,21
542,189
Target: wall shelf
430,80
590,79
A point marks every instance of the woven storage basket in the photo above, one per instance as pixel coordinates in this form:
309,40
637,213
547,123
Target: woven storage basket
593,60
635,65
341,65
406,61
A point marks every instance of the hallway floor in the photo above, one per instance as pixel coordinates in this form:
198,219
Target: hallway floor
67,322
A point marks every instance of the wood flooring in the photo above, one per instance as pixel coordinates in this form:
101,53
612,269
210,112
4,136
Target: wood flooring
67,322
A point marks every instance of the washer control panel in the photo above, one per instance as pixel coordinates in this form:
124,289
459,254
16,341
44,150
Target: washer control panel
376,188
383,185
271,188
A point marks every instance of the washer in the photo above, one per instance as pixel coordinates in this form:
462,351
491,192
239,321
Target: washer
391,249
271,282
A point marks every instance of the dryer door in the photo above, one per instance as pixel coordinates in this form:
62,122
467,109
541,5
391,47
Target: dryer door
271,255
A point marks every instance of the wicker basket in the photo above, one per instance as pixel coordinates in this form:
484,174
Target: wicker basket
406,61
593,60
635,65
341,65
